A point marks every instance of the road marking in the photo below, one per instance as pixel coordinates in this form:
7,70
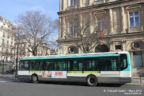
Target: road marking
3,81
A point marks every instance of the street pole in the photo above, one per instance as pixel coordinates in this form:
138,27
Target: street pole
1,64
3,67
17,60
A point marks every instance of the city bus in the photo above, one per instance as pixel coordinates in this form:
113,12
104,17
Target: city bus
92,68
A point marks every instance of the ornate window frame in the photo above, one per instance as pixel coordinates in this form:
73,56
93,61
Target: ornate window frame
132,9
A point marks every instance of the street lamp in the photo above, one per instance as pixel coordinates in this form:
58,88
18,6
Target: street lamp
3,65
17,56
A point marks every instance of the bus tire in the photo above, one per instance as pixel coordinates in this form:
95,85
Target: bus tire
92,80
34,79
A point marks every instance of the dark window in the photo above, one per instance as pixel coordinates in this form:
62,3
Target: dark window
54,65
118,47
107,63
90,65
75,65
123,61
102,64
60,65
49,65
41,66
34,65
137,45
24,65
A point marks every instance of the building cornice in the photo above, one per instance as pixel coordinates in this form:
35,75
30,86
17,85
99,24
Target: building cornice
104,6
106,36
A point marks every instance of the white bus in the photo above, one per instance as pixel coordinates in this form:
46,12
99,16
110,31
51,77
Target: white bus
111,67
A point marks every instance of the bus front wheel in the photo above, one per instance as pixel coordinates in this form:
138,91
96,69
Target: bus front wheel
34,79
92,80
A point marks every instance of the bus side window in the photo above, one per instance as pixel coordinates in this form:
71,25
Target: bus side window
37,65
107,63
91,64
95,65
75,65
24,65
49,65
41,66
61,65
123,61
32,64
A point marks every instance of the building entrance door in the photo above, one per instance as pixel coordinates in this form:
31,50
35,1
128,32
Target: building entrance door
137,57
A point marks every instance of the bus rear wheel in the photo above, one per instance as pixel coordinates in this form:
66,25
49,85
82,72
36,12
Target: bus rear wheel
34,79
92,80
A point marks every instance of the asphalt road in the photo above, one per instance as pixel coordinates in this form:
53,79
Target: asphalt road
15,88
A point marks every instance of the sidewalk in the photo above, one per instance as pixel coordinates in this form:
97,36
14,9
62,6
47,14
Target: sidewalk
137,81
8,76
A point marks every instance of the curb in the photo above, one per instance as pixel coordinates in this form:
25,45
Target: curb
135,84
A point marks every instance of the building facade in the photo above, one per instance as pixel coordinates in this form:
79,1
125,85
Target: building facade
120,22
22,48
7,42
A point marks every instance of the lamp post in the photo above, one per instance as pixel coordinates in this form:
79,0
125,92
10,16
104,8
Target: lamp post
17,49
3,65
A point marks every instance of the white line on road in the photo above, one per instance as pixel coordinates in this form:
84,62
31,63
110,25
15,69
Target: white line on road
3,81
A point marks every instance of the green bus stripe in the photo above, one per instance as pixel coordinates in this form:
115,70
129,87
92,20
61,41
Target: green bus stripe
92,72
75,72
85,72
35,71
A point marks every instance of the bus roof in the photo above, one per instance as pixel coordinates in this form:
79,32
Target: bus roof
88,55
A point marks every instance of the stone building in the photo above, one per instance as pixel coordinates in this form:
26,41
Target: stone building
22,48
7,42
120,21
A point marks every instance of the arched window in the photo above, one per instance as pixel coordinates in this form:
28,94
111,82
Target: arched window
72,50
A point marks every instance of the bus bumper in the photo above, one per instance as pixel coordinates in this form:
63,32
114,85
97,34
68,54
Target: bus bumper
126,80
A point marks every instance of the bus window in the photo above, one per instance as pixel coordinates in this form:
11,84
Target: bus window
41,66
34,65
60,65
24,65
106,64
95,66
49,65
75,65
87,65
123,61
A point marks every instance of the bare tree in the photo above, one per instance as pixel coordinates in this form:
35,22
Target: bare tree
19,40
83,31
37,28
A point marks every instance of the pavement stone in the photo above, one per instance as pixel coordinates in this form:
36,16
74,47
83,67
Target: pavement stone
137,81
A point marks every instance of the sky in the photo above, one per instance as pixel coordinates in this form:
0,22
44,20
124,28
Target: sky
10,9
